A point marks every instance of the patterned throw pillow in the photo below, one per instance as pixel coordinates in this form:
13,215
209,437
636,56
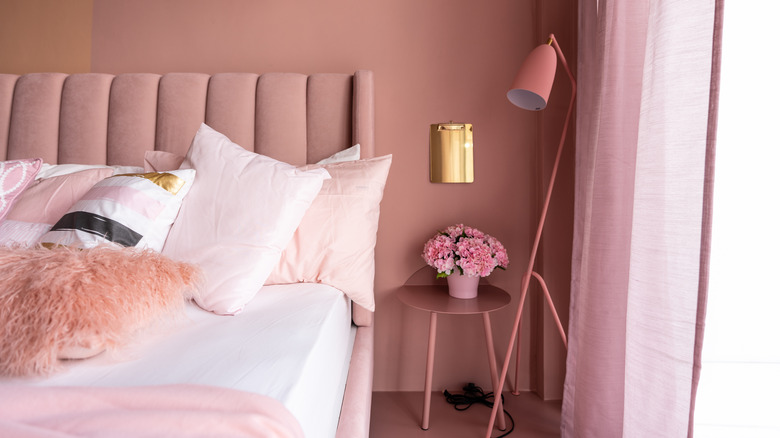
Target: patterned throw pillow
125,210
15,176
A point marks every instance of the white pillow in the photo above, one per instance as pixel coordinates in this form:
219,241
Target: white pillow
241,212
124,210
349,154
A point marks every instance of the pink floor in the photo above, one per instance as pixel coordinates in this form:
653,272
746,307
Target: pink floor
398,414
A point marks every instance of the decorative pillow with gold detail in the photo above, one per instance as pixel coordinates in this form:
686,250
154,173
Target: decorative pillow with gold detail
131,210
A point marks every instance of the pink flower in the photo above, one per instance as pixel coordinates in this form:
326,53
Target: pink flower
499,252
473,232
470,251
438,252
454,230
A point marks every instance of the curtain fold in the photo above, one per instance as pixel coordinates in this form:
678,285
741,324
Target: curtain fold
707,207
644,69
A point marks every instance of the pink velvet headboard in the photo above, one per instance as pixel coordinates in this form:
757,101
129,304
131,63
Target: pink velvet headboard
95,118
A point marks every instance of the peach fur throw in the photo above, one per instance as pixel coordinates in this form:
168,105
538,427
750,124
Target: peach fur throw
60,299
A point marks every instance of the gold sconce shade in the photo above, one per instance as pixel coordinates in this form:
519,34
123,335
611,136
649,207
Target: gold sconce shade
452,153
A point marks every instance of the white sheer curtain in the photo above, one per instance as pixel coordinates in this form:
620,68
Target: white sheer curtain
740,380
644,137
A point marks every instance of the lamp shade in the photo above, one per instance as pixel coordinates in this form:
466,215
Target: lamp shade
534,80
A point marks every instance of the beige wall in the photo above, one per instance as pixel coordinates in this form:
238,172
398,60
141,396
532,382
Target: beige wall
434,61
45,35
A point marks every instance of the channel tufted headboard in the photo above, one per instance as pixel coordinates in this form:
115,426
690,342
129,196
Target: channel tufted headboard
95,118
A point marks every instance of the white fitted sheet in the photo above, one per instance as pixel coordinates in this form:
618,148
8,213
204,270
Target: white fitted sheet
292,343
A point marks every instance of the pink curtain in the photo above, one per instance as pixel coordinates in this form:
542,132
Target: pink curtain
642,205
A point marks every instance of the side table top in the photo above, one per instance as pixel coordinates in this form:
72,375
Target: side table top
435,298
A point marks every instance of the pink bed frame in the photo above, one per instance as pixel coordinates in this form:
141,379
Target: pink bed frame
95,118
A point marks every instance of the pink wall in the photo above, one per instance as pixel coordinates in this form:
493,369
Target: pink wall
559,18
434,61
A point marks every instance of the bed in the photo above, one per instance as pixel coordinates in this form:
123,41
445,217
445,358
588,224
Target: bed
275,336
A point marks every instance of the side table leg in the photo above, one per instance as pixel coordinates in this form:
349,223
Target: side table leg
494,370
429,371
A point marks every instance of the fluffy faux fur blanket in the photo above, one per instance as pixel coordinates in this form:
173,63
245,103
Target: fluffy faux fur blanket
71,303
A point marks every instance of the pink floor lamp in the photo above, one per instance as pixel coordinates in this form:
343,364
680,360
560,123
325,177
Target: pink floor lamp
530,91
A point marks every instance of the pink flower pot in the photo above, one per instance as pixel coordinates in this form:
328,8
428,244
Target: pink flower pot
461,286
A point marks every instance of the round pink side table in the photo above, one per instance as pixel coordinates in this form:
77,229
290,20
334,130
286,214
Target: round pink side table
434,298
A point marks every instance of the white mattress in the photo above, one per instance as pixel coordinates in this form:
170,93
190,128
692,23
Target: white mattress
292,342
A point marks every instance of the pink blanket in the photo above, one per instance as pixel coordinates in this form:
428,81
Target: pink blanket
153,411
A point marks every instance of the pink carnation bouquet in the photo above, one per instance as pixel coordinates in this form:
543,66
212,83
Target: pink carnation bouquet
470,251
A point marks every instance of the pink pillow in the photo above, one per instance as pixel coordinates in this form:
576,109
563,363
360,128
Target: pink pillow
334,244
63,301
52,170
161,161
15,176
240,214
44,202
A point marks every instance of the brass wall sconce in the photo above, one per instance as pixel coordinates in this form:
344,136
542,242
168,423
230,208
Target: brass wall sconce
452,153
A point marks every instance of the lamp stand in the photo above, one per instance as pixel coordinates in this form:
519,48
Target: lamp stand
530,271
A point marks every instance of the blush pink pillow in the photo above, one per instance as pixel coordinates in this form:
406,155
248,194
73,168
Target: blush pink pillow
15,176
44,202
334,243
161,161
240,214
52,170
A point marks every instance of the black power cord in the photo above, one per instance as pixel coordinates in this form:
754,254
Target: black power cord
474,394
